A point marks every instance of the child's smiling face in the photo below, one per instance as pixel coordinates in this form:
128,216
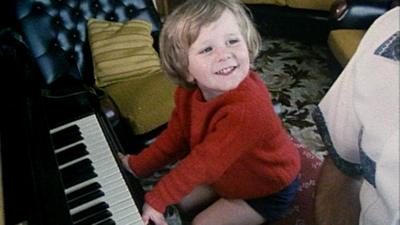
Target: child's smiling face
219,58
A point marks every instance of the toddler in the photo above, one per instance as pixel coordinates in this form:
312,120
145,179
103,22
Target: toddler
236,162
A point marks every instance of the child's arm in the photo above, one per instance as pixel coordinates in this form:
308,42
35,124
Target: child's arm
234,135
167,148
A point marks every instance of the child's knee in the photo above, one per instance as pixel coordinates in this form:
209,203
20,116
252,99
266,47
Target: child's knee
200,219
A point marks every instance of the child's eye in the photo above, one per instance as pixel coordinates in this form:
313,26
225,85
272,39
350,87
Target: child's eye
233,41
206,50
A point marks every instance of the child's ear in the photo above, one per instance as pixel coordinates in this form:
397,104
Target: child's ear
190,78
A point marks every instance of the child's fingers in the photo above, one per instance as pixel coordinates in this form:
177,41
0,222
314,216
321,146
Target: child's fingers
120,155
124,160
157,221
145,220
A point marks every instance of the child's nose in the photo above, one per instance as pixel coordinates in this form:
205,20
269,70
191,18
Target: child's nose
223,53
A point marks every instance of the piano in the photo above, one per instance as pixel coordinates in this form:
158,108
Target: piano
60,164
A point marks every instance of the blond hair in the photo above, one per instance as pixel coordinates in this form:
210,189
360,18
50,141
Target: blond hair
182,28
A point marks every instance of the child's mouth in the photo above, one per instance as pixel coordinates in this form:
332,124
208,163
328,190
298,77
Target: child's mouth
226,71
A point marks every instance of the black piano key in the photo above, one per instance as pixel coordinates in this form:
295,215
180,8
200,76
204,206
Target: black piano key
66,136
71,181
107,222
85,198
76,168
72,153
84,190
70,172
99,216
75,171
89,211
75,174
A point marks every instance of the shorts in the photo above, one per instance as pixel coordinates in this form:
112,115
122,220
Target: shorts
275,206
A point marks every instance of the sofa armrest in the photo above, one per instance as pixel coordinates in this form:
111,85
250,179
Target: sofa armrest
357,14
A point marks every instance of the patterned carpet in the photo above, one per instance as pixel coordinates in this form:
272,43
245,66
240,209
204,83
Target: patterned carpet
297,75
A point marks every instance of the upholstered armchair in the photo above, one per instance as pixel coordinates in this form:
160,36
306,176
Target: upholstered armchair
349,21
306,20
113,56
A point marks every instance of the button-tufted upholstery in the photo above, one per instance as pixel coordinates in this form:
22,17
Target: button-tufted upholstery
57,35
56,32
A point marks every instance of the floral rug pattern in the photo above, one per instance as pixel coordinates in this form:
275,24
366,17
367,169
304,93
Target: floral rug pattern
297,75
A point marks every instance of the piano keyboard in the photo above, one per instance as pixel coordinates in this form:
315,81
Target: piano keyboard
94,186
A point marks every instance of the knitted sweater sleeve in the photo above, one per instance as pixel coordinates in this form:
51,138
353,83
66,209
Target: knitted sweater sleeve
167,148
233,135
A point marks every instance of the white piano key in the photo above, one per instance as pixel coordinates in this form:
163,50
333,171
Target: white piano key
111,200
107,198
67,146
124,216
116,192
122,205
80,185
86,206
129,219
62,166
99,155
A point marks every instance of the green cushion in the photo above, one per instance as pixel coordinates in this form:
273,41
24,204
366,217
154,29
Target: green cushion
270,2
146,103
121,51
323,5
344,42
128,68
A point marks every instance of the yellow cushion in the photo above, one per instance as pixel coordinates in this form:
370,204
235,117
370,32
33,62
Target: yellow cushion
146,103
271,2
128,68
311,4
301,4
343,43
121,51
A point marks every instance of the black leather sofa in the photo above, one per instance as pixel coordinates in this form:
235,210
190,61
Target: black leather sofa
54,36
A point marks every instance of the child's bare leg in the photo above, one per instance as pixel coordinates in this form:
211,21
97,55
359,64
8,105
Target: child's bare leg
229,212
197,200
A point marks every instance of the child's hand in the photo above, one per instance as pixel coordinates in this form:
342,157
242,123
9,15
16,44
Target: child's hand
124,160
150,214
